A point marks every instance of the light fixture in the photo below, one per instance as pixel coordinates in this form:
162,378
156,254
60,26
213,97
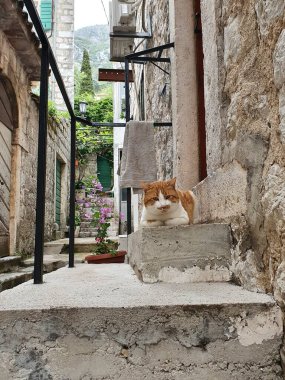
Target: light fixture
83,108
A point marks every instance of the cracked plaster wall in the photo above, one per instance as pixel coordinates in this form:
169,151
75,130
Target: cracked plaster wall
244,50
175,343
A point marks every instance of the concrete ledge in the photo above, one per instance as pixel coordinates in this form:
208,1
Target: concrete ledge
196,253
101,322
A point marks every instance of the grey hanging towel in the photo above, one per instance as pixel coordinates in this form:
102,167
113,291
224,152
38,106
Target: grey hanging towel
138,162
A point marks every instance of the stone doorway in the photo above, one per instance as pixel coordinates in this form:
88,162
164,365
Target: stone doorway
6,128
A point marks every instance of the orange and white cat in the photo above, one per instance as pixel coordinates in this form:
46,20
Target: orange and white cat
164,205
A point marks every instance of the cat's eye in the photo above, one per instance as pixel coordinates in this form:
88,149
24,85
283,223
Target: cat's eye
167,196
156,199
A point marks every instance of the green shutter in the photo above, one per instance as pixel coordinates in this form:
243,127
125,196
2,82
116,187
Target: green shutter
46,14
104,170
58,192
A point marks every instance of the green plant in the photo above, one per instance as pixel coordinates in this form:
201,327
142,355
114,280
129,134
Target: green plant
77,219
55,114
23,254
94,140
102,211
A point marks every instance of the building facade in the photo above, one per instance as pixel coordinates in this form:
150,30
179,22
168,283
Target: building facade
57,17
19,120
243,90
237,165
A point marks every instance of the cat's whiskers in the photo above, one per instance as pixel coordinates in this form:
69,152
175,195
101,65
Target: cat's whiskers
166,205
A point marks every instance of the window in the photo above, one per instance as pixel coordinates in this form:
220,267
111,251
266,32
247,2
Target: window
46,14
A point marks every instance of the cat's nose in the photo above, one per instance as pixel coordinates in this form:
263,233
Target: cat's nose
164,208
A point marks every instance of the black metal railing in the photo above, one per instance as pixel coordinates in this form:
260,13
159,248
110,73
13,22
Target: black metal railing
48,61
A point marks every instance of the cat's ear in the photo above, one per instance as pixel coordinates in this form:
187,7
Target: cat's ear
172,182
145,186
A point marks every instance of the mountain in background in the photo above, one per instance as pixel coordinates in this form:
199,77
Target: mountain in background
95,39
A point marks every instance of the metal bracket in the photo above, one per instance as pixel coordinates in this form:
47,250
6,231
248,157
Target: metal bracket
131,35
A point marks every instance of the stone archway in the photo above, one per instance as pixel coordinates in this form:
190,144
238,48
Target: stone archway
8,121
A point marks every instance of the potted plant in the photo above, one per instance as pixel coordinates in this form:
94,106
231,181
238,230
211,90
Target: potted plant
105,250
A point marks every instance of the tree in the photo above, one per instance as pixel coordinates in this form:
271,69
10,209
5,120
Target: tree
86,85
90,139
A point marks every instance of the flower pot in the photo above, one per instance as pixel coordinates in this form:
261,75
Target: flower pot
106,258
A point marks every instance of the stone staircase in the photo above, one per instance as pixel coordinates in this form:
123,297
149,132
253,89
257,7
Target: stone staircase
101,322
181,318
86,229
15,271
200,255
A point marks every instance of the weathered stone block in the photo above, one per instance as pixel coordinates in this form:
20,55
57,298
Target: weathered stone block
222,195
100,322
232,40
267,12
279,61
194,253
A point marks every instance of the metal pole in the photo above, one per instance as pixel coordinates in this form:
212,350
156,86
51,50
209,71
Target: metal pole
72,193
128,116
41,170
127,91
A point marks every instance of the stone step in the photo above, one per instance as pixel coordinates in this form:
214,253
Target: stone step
8,263
90,229
195,253
106,324
85,220
48,265
12,279
85,225
84,234
22,270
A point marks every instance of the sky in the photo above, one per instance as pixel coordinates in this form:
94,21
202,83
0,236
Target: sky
90,12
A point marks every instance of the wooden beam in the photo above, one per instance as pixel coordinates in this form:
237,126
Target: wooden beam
114,75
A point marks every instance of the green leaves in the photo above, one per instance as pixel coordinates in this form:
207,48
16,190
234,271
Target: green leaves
95,140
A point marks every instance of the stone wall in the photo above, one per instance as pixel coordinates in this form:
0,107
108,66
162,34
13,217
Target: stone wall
158,89
24,142
157,92
62,42
58,149
24,156
244,50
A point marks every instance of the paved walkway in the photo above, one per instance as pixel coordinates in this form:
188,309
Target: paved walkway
115,286
88,240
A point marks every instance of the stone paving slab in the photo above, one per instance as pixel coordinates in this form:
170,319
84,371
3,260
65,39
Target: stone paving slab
116,285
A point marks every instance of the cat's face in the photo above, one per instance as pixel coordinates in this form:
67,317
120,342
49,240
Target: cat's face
161,197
